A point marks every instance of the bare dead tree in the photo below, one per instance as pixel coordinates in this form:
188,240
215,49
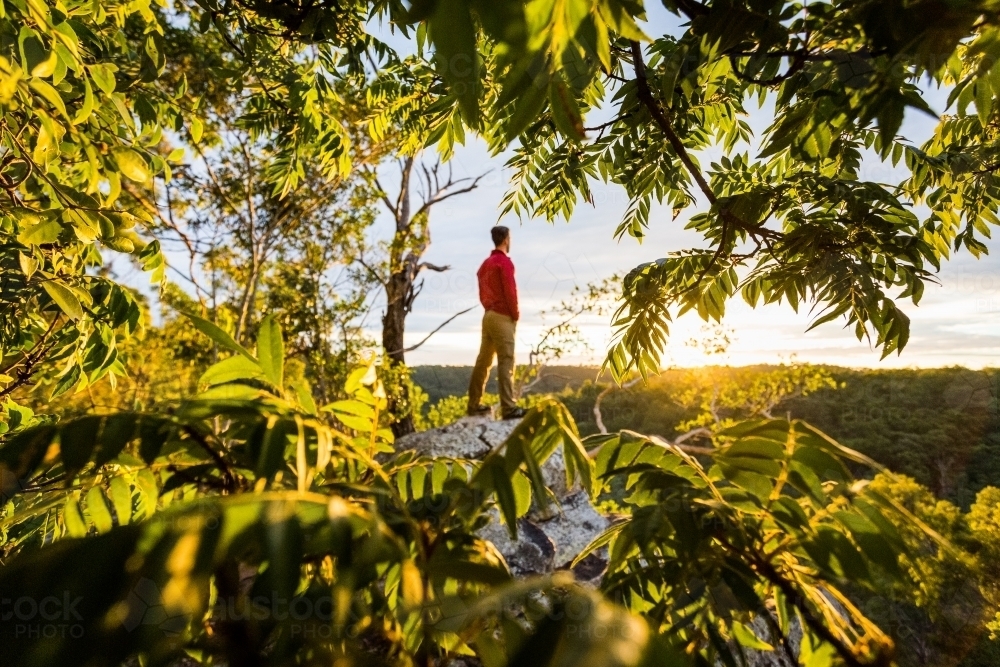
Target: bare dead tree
565,336
598,417
404,264
678,442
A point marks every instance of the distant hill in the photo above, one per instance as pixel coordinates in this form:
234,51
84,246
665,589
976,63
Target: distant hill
938,425
441,381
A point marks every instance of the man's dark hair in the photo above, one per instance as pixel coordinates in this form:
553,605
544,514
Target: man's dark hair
499,234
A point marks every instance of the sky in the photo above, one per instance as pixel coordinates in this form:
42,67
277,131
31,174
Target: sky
956,323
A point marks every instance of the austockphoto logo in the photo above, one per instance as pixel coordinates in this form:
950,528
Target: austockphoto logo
305,616
146,607
48,617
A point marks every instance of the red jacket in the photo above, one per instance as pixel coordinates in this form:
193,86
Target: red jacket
497,289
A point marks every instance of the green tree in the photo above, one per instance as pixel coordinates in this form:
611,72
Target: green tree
87,98
67,141
944,614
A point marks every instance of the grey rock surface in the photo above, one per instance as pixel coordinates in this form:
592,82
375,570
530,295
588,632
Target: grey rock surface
571,526
780,656
474,438
468,438
548,539
532,553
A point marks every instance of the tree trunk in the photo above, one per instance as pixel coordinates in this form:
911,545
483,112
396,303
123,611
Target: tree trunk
248,298
399,300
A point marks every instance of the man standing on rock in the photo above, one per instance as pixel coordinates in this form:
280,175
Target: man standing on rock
498,294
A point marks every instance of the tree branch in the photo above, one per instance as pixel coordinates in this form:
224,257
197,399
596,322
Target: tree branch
384,196
438,328
27,364
227,472
768,571
402,208
660,117
372,271
798,62
438,197
168,221
433,267
215,182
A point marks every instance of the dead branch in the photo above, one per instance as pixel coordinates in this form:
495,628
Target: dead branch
436,329
433,267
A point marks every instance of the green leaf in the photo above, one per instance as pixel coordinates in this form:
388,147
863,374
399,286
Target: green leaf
454,35
356,423
363,375
755,483
43,232
121,499
566,111
148,488
304,393
272,454
218,335
31,49
271,351
132,164
66,381
527,106
873,544
815,652
834,553
98,510
283,545
103,75
117,431
88,104
64,298
230,392
77,441
746,637
232,369
351,407
418,482
621,20
73,519
153,435
522,493
439,473
196,128
50,94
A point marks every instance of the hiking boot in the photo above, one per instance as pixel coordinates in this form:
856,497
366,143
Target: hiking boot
516,413
479,411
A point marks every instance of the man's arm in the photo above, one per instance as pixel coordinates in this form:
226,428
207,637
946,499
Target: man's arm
509,288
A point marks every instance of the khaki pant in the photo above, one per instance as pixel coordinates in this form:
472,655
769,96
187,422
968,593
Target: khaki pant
498,339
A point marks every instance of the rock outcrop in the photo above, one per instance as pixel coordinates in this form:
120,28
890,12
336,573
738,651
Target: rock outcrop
548,539
551,539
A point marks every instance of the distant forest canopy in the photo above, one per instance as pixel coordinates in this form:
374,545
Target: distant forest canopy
940,426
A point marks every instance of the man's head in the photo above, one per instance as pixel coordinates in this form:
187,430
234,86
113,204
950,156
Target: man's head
501,237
